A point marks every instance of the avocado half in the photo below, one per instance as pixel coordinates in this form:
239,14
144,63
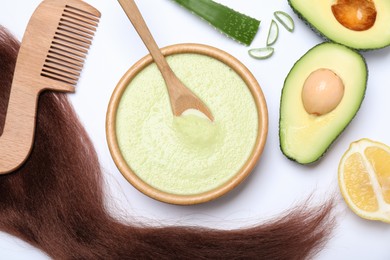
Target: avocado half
305,137
320,17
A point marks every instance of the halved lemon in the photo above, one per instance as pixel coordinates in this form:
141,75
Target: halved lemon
364,179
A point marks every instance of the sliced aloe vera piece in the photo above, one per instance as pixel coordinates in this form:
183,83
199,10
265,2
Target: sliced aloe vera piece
236,25
285,20
273,33
261,53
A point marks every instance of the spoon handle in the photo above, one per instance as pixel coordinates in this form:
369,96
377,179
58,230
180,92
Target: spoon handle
140,26
180,96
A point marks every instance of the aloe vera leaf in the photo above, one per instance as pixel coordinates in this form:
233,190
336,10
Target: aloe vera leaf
238,26
261,53
273,33
285,20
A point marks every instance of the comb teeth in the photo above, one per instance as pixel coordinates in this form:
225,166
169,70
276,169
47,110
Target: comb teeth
70,44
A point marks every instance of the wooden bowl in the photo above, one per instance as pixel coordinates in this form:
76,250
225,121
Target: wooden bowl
152,192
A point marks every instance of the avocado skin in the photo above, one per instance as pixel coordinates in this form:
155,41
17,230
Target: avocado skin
314,29
342,131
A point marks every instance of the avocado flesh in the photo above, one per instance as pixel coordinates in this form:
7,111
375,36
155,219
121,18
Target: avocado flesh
319,16
305,137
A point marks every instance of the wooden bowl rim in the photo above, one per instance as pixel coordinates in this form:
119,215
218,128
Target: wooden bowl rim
247,168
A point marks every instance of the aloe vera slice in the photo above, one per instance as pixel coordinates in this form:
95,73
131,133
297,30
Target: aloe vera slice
285,20
235,25
261,53
273,33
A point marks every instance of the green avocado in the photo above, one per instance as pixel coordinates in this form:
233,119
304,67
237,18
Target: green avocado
306,136
320,16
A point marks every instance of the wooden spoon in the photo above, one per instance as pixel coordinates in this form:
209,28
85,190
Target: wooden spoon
180,96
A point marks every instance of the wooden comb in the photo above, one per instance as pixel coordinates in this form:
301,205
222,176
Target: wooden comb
51,56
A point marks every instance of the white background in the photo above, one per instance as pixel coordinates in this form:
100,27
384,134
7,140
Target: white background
276,184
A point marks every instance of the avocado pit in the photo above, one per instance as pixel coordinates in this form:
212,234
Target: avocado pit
357,15
322,91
